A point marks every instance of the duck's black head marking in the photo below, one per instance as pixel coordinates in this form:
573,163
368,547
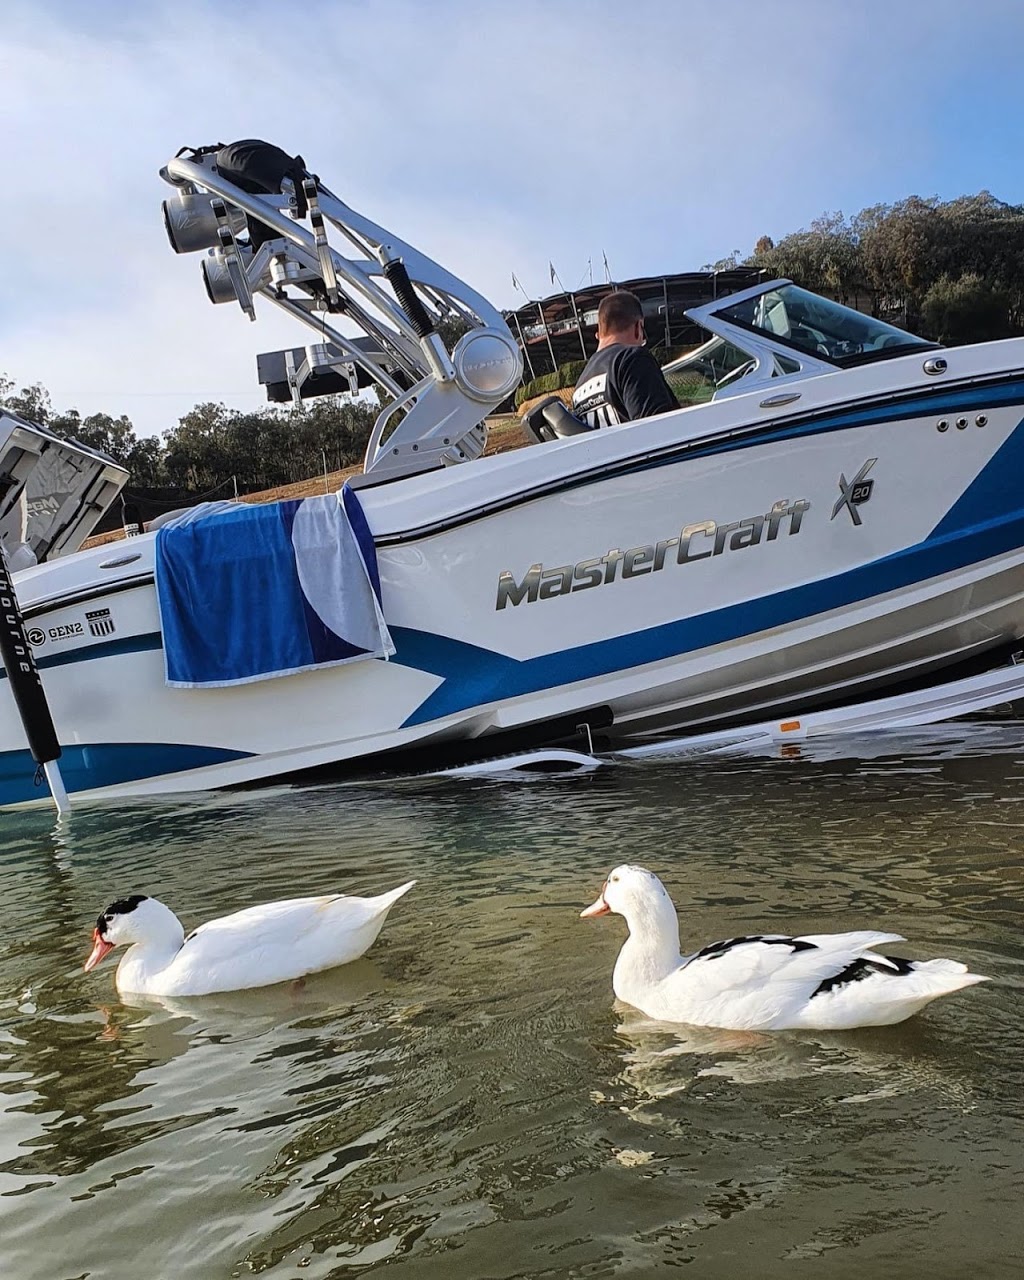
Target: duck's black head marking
119,908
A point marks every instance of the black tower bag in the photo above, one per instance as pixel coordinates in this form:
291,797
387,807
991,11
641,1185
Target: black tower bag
259,168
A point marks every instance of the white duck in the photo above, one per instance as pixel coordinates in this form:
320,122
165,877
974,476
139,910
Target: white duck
274,942
825,982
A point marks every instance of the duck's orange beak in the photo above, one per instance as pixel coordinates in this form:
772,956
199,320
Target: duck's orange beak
100,947
598,908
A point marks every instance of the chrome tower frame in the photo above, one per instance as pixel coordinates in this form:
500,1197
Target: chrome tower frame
382,286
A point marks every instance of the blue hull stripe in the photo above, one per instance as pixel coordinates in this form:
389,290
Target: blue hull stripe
105,765
988,520
941,403
936,405
109,649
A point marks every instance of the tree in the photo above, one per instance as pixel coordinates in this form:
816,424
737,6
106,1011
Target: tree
965,310
32,402
193,456
889,257
145,463
824,257
113,436
729,263
264,448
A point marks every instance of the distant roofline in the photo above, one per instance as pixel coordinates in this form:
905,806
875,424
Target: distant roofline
557,306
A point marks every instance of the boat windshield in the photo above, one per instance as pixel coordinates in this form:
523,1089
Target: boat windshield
698,374
821,327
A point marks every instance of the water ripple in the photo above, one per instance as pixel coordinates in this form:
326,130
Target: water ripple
468,1099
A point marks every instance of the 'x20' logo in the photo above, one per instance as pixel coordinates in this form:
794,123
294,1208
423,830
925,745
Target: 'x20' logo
855,492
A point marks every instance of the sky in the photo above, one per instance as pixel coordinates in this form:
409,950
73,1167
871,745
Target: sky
496,137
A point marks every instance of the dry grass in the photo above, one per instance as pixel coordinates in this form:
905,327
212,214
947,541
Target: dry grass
565,395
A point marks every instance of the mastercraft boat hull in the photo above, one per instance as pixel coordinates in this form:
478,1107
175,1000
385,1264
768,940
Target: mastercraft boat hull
691,570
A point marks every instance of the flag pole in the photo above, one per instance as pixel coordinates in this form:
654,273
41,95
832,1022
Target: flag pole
522,343
547,334
572,303
522,336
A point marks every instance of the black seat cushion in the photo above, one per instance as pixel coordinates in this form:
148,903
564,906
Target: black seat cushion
551,420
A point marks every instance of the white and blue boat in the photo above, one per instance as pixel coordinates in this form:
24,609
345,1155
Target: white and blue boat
842,519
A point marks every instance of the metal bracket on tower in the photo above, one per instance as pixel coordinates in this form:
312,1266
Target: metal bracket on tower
293,379
233,259
323,248
317,360
348,370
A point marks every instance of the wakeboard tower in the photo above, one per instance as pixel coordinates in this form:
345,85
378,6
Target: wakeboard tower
264,222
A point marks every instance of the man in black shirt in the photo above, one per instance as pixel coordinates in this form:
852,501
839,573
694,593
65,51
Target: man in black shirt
622,380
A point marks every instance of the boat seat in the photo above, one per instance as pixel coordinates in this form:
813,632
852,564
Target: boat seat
551,420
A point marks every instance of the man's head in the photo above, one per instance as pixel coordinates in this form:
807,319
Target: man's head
620,318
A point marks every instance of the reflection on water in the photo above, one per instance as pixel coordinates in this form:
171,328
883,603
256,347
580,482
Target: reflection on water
878,1062
469,1100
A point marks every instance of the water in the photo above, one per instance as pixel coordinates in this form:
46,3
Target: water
468,1100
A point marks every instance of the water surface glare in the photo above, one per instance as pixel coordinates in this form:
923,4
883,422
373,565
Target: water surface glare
468,1100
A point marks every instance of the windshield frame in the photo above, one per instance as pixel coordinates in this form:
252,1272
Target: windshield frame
915,344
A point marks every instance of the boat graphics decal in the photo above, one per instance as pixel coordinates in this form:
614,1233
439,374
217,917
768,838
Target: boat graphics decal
106,764
100,622
693,542
106,649
66,631
854,493
986,521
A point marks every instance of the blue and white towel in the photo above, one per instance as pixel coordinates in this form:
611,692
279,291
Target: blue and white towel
261,591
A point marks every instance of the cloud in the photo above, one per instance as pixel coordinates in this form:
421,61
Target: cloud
493,137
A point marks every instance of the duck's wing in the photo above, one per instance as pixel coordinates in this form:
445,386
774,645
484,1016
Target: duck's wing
277,941
292,919
860,939
758,978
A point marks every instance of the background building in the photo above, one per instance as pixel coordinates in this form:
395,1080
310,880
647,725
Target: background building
562,328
